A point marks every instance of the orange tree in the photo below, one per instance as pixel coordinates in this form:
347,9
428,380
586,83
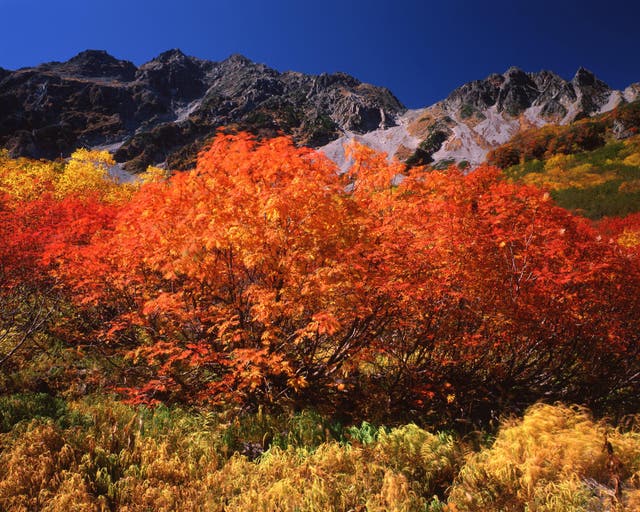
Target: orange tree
240,280
265,277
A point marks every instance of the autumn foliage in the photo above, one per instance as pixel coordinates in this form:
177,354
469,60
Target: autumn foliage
582,135
265,278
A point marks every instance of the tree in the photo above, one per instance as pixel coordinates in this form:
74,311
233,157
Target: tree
265,277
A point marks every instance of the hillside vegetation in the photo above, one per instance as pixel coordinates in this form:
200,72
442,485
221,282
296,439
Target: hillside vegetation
591,167
232,338
98,454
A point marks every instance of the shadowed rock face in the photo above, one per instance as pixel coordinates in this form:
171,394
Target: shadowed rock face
166,109
93,64
515,91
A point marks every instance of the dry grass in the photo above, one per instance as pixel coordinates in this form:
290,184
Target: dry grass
554,459
103,455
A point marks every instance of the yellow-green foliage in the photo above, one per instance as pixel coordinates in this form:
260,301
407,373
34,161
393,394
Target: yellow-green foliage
154,175
103,455
558,177
554,459
633,159
602,182
85,172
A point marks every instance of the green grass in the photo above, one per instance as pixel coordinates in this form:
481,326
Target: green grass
600,201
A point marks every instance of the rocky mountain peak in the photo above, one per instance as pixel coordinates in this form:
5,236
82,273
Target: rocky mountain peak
584,77
545,79
495,79
515,91
95,64
92,57
173,55
237,59
173,59
594,93
482,114
166,109
325,80
175,75
515,73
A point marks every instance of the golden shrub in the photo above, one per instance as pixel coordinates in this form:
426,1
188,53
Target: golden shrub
552,459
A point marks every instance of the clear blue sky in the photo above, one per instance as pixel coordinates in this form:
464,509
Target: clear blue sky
421,50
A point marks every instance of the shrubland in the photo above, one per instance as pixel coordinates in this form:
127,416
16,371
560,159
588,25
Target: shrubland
247,314
99,454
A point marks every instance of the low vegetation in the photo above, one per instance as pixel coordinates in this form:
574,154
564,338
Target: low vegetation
99,454
264,334
591,167
604,182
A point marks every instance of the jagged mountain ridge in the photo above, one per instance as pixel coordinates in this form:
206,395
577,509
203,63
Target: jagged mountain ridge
165,109
480,115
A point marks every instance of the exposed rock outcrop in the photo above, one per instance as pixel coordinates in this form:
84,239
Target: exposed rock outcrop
164,110
480,115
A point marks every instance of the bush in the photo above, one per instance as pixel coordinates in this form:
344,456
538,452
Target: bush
553,459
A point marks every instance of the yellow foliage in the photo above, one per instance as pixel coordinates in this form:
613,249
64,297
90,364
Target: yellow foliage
554,459
154,175
24,179
559,178
559,161
31,470
86,172
73,494
629,238
633,159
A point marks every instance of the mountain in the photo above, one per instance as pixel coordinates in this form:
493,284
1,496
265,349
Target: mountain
481,115
164,110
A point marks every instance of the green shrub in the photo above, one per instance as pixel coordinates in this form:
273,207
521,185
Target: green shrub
27,406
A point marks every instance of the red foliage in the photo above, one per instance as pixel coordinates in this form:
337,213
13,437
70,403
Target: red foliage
264,276
542,143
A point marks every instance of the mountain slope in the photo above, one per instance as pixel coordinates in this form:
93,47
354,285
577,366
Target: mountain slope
165,109
483,114
591,166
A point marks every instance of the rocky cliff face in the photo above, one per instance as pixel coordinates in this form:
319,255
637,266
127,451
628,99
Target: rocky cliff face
164,110
514,92
480,115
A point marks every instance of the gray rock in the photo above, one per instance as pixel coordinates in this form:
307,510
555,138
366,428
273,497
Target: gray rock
167,108
593,92
515,91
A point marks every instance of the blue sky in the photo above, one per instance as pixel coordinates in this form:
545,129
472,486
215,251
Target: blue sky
420,50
